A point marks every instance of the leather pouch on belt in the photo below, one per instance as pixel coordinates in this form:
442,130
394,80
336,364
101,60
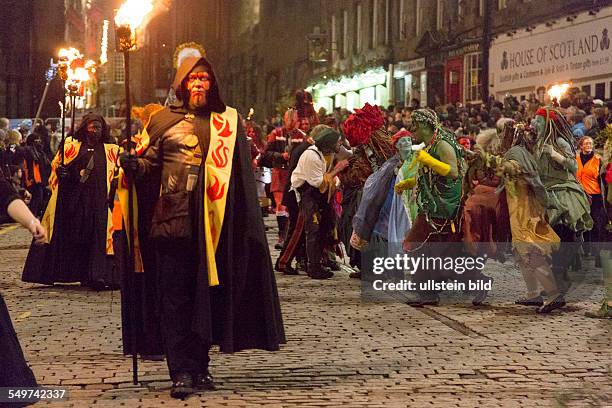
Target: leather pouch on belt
171,217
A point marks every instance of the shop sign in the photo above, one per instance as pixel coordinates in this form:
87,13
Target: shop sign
578,51
405,67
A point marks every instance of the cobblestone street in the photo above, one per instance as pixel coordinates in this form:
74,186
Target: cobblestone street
341,352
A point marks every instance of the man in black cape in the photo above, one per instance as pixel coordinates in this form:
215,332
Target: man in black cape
77,216
243,310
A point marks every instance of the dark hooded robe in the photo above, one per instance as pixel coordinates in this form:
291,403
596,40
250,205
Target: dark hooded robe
14,370
78,247
243,311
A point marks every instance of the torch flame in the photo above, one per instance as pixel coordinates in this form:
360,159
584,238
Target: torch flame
557,91
80,75
69,54
104,44
133,13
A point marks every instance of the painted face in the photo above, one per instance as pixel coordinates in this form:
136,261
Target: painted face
94,129
198,85
587,145
421,131
404,147
465,142
539,124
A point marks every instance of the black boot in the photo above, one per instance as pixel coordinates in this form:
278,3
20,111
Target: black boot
316,271
556,303
204,381
282,229
182,387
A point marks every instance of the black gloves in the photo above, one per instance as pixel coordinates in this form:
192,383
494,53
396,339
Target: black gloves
62,172
129,163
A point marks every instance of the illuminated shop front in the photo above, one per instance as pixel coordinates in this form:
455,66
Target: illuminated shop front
410,81
352,92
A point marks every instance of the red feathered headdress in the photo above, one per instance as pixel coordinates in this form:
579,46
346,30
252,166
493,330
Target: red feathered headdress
360,125
544,112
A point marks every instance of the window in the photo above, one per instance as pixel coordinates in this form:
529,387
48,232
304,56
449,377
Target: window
473,74
439,15
481,6
460,10
587,89
600,90
119,73
345,38
374,25
334,39
386,22
403,24
501,4
419,18
357,37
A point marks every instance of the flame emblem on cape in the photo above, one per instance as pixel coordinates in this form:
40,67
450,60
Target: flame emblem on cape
222,125
215,191
112,156
219,155
70,152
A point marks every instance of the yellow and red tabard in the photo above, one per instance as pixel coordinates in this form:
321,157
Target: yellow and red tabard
587,174
71,151
217,173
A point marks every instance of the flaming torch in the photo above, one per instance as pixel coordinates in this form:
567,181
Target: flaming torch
129,18
557,91
64,69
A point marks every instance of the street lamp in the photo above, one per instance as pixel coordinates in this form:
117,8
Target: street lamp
128,20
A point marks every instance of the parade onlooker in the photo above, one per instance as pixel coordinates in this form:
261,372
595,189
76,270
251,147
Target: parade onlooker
589,173
578,128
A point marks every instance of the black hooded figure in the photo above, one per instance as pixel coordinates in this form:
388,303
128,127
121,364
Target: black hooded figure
243,311
77,251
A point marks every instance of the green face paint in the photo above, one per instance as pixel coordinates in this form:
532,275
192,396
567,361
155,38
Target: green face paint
423,132
539,124
404,148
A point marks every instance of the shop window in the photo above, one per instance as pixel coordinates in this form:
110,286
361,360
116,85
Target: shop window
340,101
600,90
382,96
400,91
352,101
587,89
473,74
367,95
